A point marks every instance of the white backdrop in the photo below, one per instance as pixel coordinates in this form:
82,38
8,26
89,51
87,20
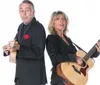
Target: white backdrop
84,29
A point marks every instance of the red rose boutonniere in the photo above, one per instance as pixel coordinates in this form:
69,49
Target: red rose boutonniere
26,36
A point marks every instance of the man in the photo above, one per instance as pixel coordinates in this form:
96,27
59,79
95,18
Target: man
30,38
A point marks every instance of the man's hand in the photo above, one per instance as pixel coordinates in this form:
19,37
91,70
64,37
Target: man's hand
14,46
6,49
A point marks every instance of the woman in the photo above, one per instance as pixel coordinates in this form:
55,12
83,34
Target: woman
60,47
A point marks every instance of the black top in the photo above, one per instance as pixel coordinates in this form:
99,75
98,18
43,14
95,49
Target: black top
59,51
23,30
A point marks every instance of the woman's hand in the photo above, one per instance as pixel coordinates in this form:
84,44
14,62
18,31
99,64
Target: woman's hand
79,60
98,46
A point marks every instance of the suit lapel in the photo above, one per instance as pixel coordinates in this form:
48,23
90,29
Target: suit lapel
61,40
20,30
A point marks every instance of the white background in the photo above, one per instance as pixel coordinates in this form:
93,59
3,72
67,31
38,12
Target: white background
84,30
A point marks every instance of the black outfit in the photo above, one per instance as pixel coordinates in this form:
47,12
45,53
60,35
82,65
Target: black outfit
30,65
59,52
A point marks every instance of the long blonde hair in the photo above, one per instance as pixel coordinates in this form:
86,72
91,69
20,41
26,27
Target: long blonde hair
53,17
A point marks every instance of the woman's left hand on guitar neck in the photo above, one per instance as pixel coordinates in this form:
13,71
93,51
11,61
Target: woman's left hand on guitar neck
98,46
80,59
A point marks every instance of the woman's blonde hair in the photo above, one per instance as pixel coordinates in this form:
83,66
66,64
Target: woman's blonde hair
53,17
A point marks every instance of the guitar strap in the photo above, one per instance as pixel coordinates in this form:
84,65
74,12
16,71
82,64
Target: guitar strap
79,47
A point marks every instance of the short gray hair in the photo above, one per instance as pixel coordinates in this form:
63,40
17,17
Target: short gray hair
28,2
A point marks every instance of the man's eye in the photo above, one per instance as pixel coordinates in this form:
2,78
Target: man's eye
27,10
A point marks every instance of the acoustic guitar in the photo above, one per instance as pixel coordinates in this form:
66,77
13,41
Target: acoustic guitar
75,74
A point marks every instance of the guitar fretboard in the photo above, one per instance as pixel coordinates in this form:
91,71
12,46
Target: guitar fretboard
90,53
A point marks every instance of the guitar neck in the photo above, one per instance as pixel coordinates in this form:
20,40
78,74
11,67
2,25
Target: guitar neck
90,53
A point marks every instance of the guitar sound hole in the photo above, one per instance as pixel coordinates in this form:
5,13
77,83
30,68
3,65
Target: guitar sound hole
76,69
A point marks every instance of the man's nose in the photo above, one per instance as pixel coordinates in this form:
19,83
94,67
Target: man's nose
24,12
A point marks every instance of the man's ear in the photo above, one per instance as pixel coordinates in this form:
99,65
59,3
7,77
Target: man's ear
33,13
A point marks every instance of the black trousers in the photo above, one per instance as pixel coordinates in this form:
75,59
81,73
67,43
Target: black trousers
17,83
59,83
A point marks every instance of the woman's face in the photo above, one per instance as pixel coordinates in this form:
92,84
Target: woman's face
59,23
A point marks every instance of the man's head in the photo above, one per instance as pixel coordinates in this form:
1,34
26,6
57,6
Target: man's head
26,10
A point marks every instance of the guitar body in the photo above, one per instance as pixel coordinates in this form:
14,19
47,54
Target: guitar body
12,57
73,73
13,54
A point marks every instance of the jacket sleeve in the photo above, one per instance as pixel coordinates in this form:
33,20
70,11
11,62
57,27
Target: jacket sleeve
53,51
36,51
72,57
4,54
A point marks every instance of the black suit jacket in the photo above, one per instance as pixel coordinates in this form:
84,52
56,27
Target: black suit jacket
30,65
59,52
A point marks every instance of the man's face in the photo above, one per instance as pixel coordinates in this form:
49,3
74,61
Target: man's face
26,13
